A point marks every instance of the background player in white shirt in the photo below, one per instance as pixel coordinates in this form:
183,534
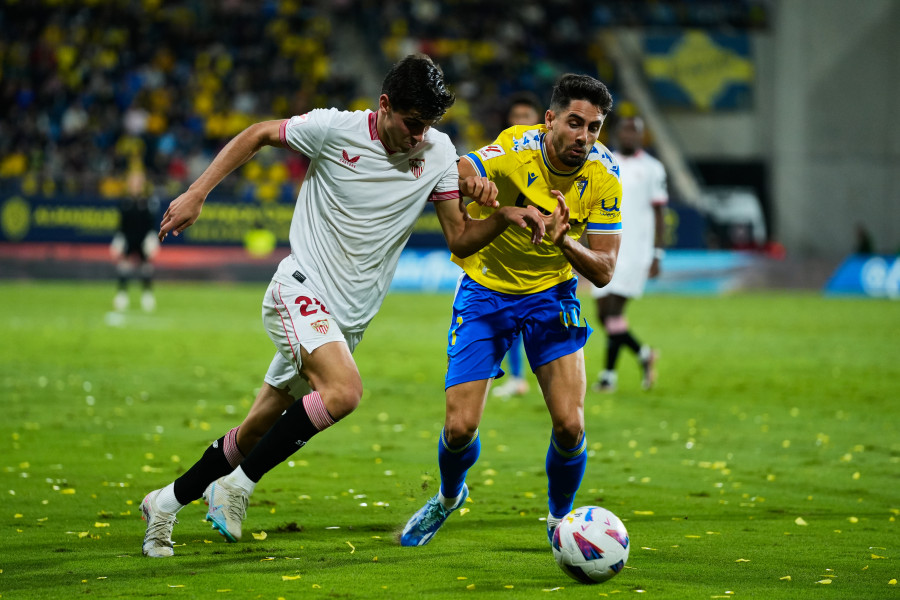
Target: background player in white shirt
370,175
644,199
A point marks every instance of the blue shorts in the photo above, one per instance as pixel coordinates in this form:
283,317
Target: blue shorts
485,323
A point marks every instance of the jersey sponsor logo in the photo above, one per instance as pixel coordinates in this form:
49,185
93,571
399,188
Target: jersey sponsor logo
350,162
321,326
310,306
302,119
531,178
613,208
492,151
417,166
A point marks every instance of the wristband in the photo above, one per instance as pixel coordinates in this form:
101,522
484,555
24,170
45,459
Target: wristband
659,253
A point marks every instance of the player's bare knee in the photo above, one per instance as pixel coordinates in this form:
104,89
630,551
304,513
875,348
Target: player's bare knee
459,432
568,435
342,399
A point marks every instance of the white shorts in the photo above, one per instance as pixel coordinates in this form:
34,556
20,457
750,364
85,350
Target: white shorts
629,280
295,317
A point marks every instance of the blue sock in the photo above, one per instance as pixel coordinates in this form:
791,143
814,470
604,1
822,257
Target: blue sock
515,357
455,462
565,470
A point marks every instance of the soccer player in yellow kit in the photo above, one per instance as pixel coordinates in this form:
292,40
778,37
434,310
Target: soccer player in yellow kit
511,287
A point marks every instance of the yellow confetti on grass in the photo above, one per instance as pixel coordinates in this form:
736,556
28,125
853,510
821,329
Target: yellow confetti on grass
461,578
471,586
891,582
463,511
876,557
352,547
853,519
224,590
176,586
785,578
643,513
824,581
290,577
100,525
67,491
260,536
18,516
801,522
743,560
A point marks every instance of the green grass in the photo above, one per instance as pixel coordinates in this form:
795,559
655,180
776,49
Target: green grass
770,449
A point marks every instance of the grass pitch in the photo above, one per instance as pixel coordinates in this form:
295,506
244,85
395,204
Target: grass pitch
764,465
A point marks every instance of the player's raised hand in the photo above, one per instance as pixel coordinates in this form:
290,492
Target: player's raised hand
480,189
557,222
181,214
526,218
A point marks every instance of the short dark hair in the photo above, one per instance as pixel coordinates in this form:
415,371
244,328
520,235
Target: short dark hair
580,87
416,83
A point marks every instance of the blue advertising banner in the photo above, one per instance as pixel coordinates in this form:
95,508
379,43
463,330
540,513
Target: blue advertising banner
700,70
866,275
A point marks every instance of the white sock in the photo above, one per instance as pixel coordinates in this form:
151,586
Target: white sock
449,503
239,479
166,500
645,352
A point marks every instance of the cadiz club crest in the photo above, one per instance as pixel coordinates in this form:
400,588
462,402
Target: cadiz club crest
417,166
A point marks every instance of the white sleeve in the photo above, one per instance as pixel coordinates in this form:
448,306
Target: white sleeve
306,133
448,186
658,192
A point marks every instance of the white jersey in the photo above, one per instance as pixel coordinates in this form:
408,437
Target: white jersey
643,187
357,207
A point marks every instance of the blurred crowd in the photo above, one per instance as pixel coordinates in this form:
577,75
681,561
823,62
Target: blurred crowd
91,90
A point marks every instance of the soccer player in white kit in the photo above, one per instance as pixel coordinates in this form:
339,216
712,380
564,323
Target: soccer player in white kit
643,248
370,175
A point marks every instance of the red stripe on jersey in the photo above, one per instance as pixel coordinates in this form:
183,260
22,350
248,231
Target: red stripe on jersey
282,133
373,131
444,196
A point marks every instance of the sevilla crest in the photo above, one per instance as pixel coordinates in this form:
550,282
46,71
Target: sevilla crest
321,326
417,166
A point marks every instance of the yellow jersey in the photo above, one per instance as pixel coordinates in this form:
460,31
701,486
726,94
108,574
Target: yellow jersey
517,163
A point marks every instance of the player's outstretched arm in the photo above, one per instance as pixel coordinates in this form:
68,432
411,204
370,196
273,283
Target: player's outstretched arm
473,185
466,236
597,261
185,209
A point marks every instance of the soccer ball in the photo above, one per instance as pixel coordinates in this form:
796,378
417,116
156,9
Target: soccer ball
590,544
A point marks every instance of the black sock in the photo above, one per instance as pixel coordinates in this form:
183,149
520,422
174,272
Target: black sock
211,466
626,339
613,343
289,433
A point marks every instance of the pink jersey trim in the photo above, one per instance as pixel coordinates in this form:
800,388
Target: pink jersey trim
373,131
444,196
282,133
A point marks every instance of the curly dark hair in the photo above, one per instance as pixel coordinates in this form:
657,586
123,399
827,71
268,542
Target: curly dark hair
580,87
416,84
